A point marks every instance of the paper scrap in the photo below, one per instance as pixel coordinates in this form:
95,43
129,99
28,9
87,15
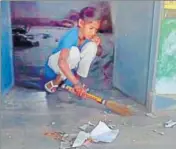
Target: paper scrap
155,130
53,123
84,127
87,143
111,126
170,124
65,145
102,133
91,124
160,133
71,137
150,115
81,138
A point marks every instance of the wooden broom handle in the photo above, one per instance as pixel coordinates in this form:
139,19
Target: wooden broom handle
91,96
96,98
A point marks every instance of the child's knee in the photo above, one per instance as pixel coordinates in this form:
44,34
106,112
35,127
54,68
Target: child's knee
74,57
74,53
91,48
53,62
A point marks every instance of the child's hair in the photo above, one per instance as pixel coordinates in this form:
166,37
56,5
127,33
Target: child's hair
90,14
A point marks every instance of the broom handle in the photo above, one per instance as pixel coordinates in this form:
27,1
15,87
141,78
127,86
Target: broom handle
93,97
88,95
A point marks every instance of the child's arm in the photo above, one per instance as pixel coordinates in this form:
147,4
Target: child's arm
97,40
99,51
63,64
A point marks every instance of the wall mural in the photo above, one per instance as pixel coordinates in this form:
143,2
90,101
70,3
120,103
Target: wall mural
37,28
166,64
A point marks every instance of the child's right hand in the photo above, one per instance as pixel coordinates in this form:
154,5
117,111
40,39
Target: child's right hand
97,40
80,90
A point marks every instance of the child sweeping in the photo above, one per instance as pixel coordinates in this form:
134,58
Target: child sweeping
74,54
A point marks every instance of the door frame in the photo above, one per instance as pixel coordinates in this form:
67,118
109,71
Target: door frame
0,53
151,93
160,103
6,90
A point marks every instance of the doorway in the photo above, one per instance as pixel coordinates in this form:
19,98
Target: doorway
127,45
37,33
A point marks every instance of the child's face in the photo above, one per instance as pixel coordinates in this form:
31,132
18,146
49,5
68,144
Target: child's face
89,29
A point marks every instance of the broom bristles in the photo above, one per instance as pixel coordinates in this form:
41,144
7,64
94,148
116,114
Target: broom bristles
112,105
118,108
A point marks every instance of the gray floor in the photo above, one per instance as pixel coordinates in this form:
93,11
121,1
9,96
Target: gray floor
27,114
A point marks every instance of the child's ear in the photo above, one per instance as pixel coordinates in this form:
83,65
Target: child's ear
80,23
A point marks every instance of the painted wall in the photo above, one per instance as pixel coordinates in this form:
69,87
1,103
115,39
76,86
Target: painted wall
166,64
7,75
43,24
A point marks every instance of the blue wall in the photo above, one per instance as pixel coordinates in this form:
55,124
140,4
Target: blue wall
7,73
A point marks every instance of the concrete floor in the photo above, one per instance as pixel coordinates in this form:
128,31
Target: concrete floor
27,114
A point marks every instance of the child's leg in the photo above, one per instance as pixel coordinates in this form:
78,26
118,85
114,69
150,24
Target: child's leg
88,53
53,84
73,60
54,78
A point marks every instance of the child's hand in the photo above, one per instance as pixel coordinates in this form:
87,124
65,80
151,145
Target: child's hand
99,51
80,90
97,40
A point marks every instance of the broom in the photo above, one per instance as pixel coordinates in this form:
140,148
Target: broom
112,105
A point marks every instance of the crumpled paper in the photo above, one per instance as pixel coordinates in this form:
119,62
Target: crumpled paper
81,138
102,133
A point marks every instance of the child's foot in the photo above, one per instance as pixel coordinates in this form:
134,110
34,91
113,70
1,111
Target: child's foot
51,87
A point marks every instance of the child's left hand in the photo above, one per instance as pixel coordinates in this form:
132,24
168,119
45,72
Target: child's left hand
97,40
